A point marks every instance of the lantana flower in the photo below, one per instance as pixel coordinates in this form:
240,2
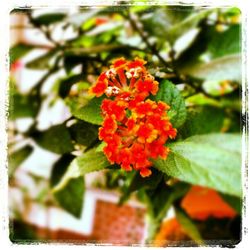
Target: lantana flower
135,129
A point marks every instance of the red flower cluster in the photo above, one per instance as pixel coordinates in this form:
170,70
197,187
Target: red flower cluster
134,129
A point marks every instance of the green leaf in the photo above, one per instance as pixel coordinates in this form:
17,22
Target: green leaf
201,100
71,196
55,139
233,201
47,19
59,168
219,69
225,43
188,23
190,228
91,112
199,121
21,232
66,83
164,18
159,202
81,165
41,62
17,158
212,160
84,133
18,51
22,106
137,182
169,94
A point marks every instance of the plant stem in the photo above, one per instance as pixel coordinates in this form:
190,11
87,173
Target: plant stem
146,40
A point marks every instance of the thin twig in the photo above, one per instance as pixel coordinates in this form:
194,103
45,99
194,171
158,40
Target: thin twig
145,39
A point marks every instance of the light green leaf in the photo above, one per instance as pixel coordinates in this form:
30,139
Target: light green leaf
223,68
55,139
91,112
86,163
16,158
190,228
100,147
212,160
200,99
169,94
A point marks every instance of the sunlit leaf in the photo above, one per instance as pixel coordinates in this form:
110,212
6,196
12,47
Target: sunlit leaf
91,112
212,160
169,94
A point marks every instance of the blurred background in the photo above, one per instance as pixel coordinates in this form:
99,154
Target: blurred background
55,55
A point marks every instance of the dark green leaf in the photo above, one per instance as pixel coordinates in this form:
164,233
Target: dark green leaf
21,232
225,43
86,163
59,168
137,182
164,18
22,106
66,84
91,112
169,94
84,133
18,51
47,19
202,120
71,196
187,224
17,158
42,62
188,23
233,201
212,160
159,202
55,139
